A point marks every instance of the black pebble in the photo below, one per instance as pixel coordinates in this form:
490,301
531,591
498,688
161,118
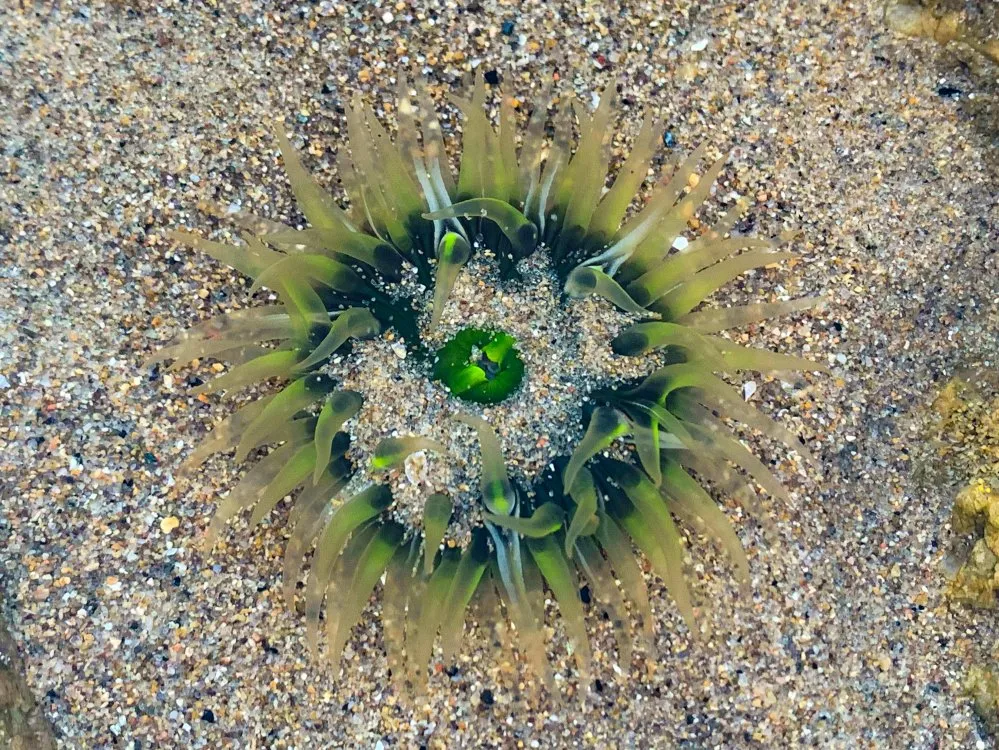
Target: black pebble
492,77
208,715
948,92
487,697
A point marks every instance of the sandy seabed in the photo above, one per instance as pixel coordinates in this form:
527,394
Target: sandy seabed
121,120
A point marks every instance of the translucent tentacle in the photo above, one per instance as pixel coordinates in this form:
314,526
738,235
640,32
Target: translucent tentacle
370,567
584,280
690,499
745,358
274,364
358,246
544,521
652,250
317,269
550,559
292,399
250,489
601,579
356,511
713,320
510,571
650,524
612,207
226,435
645,433
249,260
616,545
606,425
354,322
584,494
497,492
292,474
715,393
420,641
395,597
436,517
329,580
338,408
307,521
678,268
452,253
391,453
686,297
317,205
516,227
466,580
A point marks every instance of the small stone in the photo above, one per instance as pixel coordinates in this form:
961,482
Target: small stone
507,28
748,389
492,77
169,523
700,45
415,466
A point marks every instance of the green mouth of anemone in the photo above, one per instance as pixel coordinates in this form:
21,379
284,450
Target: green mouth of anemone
480,365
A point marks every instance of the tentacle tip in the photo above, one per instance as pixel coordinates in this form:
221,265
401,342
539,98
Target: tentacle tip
527,237
629,344
153,359
208,541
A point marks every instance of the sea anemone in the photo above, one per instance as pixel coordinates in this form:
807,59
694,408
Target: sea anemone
521,326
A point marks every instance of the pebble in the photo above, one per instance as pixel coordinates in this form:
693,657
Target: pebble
169,523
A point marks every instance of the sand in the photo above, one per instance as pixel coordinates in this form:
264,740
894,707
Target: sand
119,121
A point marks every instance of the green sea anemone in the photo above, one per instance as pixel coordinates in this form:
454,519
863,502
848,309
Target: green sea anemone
491,384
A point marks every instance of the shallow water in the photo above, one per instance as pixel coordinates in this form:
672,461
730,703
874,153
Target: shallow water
119,121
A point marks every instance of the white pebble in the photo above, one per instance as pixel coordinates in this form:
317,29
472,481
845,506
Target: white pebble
748,389
416,467
680,243
699,46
